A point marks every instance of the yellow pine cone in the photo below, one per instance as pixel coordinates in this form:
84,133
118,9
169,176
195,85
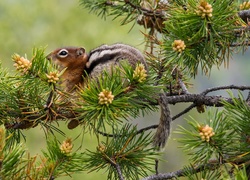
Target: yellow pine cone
23,65
53,77
66,146
245,6
178,45
204,9
105,97
206,133
140,73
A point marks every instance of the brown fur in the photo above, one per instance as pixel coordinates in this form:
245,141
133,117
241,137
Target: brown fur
74,62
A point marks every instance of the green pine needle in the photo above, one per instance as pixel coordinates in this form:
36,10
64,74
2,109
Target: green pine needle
12,162
129,97
130,151
224,141
207,40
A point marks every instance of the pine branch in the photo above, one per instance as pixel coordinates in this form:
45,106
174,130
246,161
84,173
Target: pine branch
165,175
144,11
147,12
211,165
196,99
243,14
182,172
199,99
124,156
241,88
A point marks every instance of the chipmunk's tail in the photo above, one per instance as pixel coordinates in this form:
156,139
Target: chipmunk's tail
163,130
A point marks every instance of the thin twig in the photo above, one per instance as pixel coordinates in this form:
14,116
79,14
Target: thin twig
152,126
184,111
147,128
49,100
173,118
119,172
246,43
183,86
242,88
156,166
138,132
107,134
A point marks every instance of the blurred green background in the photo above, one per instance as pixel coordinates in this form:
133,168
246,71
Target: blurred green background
33,23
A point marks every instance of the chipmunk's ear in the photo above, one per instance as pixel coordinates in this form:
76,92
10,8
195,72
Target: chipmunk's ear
80,51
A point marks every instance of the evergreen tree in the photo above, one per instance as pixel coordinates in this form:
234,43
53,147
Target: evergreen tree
184,37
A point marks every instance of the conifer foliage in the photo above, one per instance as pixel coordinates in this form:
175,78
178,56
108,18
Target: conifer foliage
183,37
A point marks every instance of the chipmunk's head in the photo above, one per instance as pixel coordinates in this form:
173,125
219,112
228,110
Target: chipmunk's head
69,57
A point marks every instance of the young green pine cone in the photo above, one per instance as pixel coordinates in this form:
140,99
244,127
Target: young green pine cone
66,146
206,133
23,65
178,45
140,73
204,9
105,97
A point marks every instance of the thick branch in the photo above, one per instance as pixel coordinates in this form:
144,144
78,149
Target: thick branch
211,165
199,99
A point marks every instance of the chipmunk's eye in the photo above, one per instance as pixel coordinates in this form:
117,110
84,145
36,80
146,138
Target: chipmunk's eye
63,53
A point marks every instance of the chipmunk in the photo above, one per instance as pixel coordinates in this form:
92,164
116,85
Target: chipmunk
77,62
